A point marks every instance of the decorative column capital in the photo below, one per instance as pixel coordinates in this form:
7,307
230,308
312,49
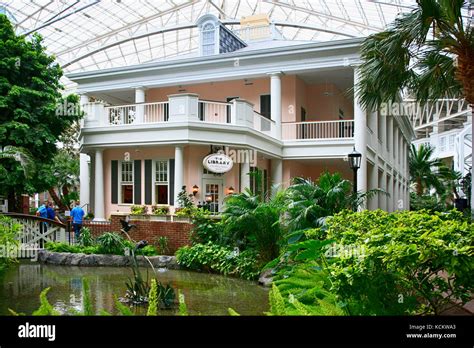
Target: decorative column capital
276,74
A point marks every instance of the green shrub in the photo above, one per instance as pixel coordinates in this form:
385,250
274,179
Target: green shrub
138,209
206,229
215,258
85,237
388,264
9,232
148,250
60,247
162,247
160,210
111,243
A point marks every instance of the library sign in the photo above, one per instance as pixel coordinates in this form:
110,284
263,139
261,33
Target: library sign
218,163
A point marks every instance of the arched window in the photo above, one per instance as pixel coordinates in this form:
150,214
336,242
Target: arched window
208,39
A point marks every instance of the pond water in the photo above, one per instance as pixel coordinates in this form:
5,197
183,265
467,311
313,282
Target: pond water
205,294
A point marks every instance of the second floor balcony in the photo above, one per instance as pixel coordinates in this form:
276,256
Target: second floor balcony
188,108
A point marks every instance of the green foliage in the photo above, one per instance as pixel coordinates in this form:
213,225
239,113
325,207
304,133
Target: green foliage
60,247
411,262
162,245
30,94
185,200
206,229
153,299
123,310
249,222
160,210
183,309
86,295
148,250
111,243
410,56
138,209
232,312
426,202
85,238
215,258
45,307
185,212
9,232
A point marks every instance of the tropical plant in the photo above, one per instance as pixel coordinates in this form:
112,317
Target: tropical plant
9,231
429,52
29,118
111,243
185,200
310,203
427,172
21,156
85,238
205,228
215,258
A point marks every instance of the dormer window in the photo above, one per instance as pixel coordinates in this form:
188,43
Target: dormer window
208,39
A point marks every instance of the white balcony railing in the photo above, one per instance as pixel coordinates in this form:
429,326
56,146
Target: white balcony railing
263,124
214,112
318,130
137,113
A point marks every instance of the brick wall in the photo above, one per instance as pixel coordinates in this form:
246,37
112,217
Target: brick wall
176,232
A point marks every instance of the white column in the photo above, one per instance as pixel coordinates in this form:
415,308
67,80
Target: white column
99,211
84,99
140,98
244,176
36,200
277,172
390,138
84,178
275,101
374,184
391,192
178,172
396,147
360,137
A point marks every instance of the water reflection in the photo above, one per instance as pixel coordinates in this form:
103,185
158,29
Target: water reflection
205,294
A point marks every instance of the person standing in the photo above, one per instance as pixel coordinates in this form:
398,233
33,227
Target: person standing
51,213
43,213
77,215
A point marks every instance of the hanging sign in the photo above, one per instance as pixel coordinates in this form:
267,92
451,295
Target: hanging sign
217,163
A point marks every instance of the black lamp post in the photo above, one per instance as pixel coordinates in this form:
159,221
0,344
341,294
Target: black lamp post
354,164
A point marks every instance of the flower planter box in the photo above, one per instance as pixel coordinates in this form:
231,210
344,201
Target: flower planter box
181,219
139,217
160,218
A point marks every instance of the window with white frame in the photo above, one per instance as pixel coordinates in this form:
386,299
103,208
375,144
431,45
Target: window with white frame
126,182
208,39
161,182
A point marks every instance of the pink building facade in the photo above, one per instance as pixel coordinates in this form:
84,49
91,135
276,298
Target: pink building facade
285,108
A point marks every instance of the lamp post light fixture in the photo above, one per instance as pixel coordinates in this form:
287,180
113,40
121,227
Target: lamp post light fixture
231,190
354,163
195,190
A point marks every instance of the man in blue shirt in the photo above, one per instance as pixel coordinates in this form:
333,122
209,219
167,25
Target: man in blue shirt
43,212
51,213
77,214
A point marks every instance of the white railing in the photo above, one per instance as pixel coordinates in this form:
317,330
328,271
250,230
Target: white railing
263,124
214,112
318,130
137,113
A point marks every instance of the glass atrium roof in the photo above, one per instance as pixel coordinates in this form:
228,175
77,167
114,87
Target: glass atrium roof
92,34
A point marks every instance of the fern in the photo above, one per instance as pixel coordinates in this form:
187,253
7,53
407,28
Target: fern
300,308
232,312
124,310
153,299
277,303
45,307
183,309
86,295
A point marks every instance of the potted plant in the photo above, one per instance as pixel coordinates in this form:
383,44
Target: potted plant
160,213
139,212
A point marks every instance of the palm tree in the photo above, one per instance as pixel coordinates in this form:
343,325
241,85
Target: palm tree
427,173
310,203
19,155
429,52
